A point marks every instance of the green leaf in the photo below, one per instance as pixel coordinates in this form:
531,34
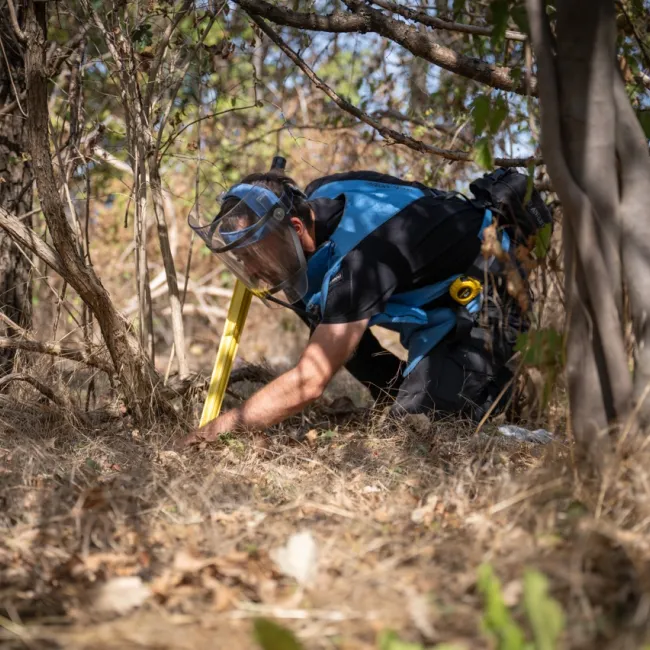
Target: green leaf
520,16
483,155
496,617
94,465
142,36
644,119
545,614
542,348
388,640
500,13
543,241
497,114
459,5
271,636
480,113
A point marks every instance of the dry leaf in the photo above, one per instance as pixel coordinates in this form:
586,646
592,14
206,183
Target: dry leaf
298,558
120,595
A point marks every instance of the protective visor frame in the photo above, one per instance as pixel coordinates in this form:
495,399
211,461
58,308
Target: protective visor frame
263,202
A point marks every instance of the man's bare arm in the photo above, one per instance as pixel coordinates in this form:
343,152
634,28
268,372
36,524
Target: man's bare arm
327,351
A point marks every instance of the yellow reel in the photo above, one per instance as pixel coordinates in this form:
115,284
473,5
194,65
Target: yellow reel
464,289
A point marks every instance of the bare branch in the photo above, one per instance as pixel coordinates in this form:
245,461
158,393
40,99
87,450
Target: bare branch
337,22
438,23
160,52
392,114
29,239
365,19
426,47
55,349
54,64
386,132
11,78
8,108
20,34
62,401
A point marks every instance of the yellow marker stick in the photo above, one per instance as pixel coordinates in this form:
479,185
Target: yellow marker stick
237,312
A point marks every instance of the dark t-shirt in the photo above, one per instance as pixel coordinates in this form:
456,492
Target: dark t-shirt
428,241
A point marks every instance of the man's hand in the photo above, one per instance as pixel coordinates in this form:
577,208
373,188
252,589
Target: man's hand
210,432
327,351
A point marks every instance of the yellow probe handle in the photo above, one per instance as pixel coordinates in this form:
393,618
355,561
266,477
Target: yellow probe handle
237,312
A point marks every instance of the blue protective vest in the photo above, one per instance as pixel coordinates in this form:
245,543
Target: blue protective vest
368,205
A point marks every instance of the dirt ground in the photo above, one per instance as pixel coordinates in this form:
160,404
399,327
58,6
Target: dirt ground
110,539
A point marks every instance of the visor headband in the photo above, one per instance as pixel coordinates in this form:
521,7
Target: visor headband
259,199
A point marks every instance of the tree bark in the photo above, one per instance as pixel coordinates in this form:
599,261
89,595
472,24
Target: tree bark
16,193
598,161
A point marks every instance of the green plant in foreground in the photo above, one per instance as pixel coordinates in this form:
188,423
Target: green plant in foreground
389,640
544,614
271,636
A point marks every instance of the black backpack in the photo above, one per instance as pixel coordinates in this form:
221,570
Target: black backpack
504,190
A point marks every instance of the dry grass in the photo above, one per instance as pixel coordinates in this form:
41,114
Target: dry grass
402,514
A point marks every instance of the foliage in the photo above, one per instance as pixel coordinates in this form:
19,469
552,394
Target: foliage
497,619
272,636
390,640
544,614
544,349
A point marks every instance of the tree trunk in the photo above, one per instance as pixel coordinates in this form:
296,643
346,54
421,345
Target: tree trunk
598,161
16,181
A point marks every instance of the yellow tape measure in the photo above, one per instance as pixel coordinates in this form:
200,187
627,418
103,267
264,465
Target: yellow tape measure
464,289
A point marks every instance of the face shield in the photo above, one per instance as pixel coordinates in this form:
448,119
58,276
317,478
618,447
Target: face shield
255,239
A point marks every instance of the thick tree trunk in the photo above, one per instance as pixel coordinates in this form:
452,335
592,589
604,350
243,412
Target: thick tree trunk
598,161
15,192
137,377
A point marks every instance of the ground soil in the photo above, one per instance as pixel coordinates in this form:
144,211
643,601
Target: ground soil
402,515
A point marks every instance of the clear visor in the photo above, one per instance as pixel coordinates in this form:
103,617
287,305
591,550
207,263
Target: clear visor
257,242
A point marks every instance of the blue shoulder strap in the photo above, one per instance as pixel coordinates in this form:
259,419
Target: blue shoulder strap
368,205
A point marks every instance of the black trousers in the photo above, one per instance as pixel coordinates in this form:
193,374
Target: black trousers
461,376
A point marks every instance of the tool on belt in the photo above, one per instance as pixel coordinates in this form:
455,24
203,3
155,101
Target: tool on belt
464,289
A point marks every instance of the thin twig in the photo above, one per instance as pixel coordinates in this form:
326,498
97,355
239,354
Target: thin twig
172,138
438,23
60,400
19,630
526,494
55,349
20,34
11,78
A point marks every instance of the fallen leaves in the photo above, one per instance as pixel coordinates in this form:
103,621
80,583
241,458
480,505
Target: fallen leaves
222,580
298,558
120,595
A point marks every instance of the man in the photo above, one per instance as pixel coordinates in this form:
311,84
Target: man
363,248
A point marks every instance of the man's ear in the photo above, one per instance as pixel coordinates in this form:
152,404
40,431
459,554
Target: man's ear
298,225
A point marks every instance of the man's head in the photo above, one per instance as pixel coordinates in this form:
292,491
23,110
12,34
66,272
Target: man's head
262,232
301,215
